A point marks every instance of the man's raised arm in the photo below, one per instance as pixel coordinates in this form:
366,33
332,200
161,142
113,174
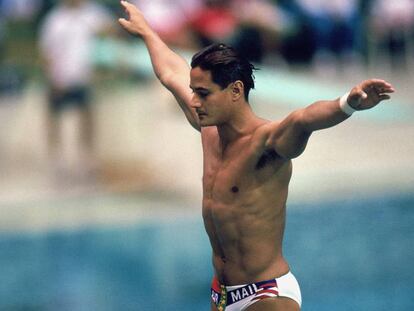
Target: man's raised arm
170,68
289,137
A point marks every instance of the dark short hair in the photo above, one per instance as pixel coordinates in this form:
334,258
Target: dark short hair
226,66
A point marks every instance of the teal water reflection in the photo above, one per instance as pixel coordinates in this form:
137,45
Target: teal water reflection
348,255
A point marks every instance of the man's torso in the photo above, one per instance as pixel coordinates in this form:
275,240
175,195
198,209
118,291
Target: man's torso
245,189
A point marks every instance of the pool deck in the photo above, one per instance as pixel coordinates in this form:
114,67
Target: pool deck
149,159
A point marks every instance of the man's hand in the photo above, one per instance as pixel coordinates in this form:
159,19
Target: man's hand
369,93
136,23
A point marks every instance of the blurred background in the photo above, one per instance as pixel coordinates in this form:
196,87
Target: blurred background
100,174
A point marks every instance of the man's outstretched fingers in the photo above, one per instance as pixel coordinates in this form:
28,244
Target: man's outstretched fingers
384,97
123,22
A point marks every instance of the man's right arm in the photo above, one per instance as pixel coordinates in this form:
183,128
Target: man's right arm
170,68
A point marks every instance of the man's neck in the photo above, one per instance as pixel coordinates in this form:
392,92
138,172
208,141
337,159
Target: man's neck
242,123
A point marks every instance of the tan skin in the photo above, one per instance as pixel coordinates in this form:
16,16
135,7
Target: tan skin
247,161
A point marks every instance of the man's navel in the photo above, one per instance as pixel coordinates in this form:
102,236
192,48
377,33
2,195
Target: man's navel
234,189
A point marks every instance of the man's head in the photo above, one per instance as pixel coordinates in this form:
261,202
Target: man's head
226,66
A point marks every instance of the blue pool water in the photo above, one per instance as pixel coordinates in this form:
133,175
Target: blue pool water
347,255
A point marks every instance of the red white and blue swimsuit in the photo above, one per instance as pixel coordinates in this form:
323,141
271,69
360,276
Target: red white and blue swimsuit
239,297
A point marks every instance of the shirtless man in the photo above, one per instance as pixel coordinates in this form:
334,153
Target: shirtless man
247,165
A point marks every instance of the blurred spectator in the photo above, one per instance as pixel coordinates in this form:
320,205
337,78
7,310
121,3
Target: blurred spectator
252,27
391,29
335,26
21,9
12,76
170,19
2,44
262,27
215,21
2,32
330,27
66,43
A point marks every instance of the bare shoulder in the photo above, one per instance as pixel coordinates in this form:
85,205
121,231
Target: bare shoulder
269,159
262,134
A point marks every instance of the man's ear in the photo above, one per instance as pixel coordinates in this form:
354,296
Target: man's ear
237,90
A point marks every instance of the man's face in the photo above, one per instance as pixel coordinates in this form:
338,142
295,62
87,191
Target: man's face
211,103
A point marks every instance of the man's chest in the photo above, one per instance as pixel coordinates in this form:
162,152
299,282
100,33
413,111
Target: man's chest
224,177
232,173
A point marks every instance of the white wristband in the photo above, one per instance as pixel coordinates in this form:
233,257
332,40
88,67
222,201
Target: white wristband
345,107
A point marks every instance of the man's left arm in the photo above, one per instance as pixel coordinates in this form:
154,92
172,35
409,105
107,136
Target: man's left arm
289,137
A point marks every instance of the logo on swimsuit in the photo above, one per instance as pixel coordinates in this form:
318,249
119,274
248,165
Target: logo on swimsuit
242,293
215,297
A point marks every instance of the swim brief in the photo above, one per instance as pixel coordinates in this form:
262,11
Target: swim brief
239,297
